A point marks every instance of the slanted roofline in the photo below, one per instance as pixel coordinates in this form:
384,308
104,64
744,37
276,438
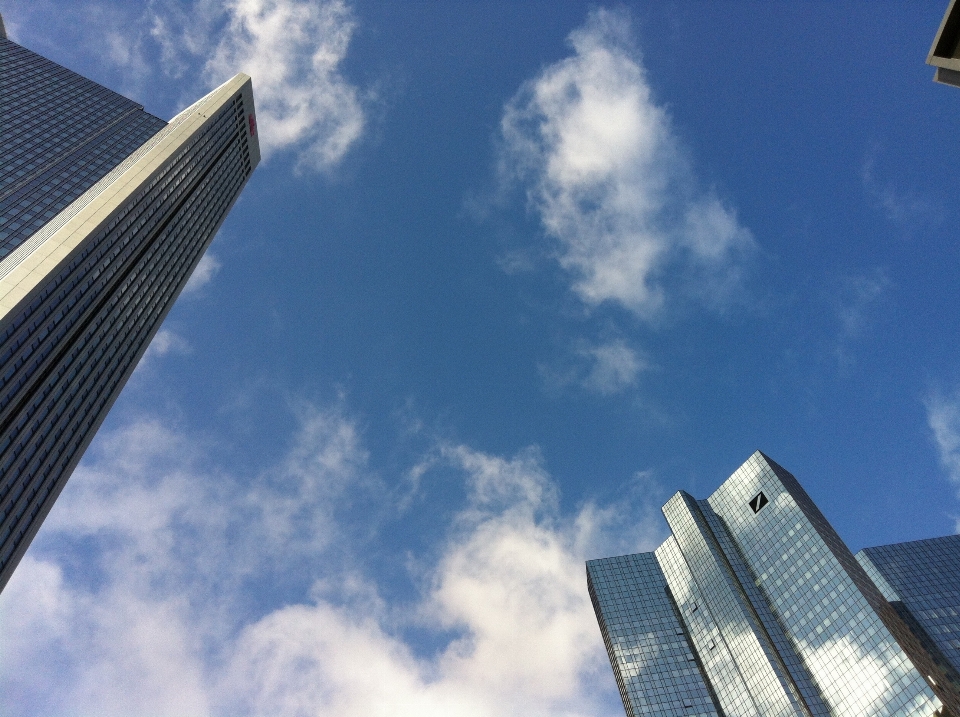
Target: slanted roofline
945,51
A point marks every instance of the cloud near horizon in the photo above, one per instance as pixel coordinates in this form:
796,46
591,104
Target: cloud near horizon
145,592
610,182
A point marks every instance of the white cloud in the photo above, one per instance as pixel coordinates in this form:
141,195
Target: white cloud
144,593
905,208
509,580
614,367
164,343
167,342
943,417
858,297
293,50
168,544
203,273
606,368
609,181
858,301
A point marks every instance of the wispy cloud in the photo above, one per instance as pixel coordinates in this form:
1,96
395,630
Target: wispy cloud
606,368
165,342
943,417
293,50
614,367
203,274
858,297
858,301
610,182
157,587
905,208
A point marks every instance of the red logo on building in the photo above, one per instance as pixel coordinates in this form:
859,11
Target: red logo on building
253,125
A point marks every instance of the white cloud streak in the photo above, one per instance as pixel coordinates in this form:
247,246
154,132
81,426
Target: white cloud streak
606,368
144,593
167,342
292,49
943,417
907,209
614,367
203,274
857,299
604,171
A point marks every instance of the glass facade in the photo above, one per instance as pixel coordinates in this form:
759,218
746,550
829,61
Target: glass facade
105,221
656,670
782,617
60,133
921,580
732,622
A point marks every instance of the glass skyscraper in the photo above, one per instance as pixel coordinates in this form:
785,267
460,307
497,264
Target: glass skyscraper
754,607
105,210
921,580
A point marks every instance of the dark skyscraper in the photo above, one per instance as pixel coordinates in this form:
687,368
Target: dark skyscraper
755,607
105,210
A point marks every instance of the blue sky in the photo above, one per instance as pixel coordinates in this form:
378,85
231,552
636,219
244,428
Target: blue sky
509,276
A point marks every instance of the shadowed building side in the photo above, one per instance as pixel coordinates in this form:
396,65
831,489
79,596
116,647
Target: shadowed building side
105,211
945,51
921,580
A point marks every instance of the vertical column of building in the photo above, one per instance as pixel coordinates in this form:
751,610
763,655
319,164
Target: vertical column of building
787,659
735,624
719,667
827,606
656,671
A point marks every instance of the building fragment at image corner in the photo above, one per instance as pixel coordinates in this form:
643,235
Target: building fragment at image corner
944,53
755,607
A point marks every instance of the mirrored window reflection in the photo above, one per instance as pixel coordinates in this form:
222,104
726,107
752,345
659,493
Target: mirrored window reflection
655,667
778,615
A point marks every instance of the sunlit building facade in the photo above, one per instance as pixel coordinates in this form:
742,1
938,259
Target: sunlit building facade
754,607
105,210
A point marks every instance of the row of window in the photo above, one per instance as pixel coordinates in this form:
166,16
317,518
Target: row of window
145,308
53,188
60,134
223,184
32,107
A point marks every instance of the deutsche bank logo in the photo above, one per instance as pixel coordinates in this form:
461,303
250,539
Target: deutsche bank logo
758,501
